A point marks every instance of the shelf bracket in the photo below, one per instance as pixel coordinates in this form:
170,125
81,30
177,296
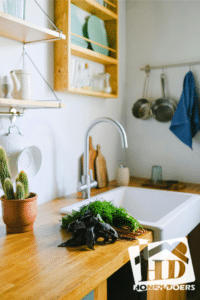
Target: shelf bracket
25,53
52,23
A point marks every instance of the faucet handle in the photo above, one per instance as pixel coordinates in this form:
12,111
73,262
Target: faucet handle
93,183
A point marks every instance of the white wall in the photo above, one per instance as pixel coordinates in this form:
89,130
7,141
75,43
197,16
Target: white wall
59,133
158,33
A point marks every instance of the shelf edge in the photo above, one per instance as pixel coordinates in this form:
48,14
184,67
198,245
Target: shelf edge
92,55
51,34
29,103
85,92
97,9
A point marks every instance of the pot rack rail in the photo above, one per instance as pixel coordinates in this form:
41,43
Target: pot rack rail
148,68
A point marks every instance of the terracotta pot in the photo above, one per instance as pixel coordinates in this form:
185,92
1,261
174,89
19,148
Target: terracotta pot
19,215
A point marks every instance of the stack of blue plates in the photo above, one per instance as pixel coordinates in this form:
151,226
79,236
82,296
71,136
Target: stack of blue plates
96,32
77,28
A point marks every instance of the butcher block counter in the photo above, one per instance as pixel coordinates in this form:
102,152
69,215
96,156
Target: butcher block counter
33,267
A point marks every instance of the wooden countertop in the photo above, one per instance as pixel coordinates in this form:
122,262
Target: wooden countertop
32,267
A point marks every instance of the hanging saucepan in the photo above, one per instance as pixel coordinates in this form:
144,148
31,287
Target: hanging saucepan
163,108
141,108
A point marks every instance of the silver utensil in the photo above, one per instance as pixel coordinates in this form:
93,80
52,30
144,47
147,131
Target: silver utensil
141,108
163,108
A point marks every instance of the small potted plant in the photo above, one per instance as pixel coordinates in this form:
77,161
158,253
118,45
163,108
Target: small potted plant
19,208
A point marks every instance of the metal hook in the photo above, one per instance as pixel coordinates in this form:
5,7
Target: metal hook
13,117
12,120
147,69
13,126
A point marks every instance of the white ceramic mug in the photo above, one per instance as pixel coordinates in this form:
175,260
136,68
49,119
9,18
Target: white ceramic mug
22,82
123,176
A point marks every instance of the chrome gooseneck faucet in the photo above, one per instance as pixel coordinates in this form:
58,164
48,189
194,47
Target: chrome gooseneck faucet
87,181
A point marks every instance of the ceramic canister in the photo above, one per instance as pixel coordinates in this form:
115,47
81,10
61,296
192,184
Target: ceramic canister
22,82
123,176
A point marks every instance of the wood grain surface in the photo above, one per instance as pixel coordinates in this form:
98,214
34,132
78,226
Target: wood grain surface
101,169
33,267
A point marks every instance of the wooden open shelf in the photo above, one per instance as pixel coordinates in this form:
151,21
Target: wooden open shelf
91,55
23,31
90,93
29,103
65,49
26,32
96,9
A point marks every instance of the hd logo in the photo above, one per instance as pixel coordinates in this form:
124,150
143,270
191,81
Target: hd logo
159,258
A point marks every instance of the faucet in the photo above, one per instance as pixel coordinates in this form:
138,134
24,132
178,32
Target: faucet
87,181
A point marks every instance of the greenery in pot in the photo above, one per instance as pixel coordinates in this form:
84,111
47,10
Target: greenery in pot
22,188
19,209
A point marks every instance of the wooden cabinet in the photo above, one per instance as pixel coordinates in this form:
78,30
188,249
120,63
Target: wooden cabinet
65,49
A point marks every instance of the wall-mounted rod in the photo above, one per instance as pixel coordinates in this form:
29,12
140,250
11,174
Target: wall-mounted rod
13,114
10,114
148,68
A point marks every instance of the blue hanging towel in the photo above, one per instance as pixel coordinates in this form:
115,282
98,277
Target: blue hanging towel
185,122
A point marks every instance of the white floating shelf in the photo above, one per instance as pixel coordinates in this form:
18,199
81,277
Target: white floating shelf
29,103
24,31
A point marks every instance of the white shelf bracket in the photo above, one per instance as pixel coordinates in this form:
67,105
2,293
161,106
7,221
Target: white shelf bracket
25,53
52,23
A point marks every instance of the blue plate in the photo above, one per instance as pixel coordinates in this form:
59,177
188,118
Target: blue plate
77,28
96,32
99,1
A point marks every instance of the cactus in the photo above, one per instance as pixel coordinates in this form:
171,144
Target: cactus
4,169
22,177
20,194
22,188
8,189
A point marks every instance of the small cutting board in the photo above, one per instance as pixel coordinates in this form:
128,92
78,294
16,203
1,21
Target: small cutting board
92,156
101,170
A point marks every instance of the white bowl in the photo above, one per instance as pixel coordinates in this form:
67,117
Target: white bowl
30,160
13,144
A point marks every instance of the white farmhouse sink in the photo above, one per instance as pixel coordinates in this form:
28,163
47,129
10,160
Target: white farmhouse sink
168,214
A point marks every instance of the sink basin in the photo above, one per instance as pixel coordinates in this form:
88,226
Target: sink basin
168,214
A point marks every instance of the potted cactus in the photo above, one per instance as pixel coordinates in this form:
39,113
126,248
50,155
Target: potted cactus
18,208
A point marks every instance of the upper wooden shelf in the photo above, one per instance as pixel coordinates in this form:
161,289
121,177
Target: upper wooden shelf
29,103
86,92
96,9
92,55
25,32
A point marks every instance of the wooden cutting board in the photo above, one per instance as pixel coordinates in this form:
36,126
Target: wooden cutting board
92,157
101,169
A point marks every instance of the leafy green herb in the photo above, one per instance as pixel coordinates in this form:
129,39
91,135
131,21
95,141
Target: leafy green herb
108,212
